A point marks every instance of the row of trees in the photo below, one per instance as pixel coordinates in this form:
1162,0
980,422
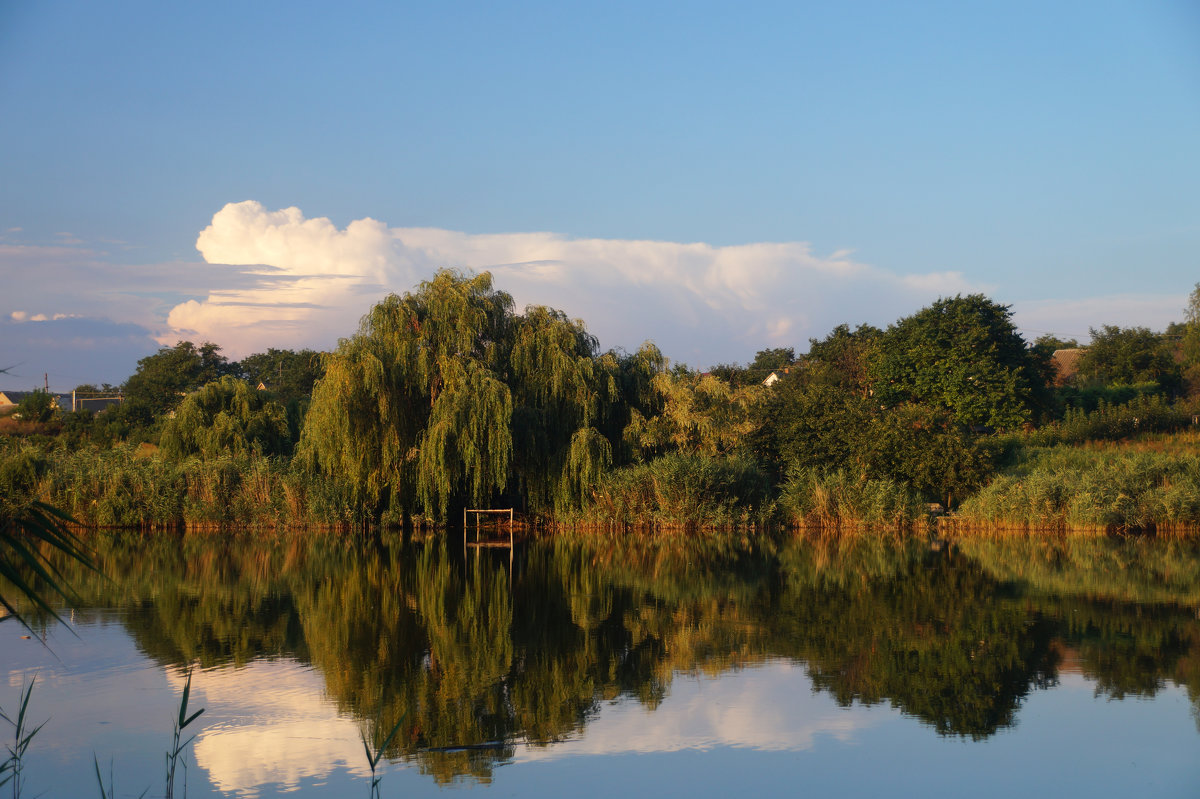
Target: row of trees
164,385
446,396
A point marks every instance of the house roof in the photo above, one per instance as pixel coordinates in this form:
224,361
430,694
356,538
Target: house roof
1066,364
12,397
776,376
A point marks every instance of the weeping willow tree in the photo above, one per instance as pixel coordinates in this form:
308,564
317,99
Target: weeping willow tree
446,396
412,409
562,393
226,416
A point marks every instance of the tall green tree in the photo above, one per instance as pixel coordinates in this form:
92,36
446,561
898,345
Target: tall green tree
635,373
1128,356
445,396
562,393
1190,344
1048,343
700,415
164,378
289,375
411,409
844,357
965,356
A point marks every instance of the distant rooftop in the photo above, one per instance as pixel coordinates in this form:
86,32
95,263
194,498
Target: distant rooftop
1066,364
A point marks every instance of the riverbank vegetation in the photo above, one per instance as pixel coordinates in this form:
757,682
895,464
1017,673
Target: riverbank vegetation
448,398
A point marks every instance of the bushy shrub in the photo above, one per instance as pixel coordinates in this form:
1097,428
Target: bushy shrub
1143,414
38,407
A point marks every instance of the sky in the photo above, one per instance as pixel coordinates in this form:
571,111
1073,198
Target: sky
717,178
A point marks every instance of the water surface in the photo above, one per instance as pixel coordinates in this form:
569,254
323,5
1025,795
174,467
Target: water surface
804,664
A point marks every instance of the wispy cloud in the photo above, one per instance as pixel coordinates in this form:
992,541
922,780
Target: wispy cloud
699,302
1072,318
70,349
86,281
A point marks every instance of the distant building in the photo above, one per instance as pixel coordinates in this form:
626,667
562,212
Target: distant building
776,376
11,399
64,402
1066,364
92,402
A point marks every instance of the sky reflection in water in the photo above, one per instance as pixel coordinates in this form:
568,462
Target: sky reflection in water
679,674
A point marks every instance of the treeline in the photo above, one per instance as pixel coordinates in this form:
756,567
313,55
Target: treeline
448,398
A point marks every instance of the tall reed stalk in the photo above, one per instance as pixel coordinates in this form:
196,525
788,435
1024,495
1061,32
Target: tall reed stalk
12,768
375,752
175,754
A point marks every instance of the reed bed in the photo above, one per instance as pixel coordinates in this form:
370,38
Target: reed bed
680,491
1096,489
121,487
810,498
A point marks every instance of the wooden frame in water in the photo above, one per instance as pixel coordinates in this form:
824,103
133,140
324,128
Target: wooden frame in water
478,513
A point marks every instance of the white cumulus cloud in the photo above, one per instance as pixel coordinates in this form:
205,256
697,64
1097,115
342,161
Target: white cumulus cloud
700,303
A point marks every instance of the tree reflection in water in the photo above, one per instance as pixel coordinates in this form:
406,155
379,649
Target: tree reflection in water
478,654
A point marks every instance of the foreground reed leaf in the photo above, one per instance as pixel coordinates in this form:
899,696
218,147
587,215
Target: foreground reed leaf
373,757
27,526
13,765
175,754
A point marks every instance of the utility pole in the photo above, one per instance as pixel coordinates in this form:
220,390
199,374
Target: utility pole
46,381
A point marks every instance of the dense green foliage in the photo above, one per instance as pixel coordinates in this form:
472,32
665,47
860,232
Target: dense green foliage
445,396
1190,343
38,406
1127,356
288,375
164,378
681,490
821,498
1067,487
226,417
121,486
1141,414
962,355
829,417
448,398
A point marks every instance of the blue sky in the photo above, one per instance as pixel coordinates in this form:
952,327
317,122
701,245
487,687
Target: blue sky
718,178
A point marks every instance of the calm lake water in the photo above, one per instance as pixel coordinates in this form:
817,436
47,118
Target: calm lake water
813,666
